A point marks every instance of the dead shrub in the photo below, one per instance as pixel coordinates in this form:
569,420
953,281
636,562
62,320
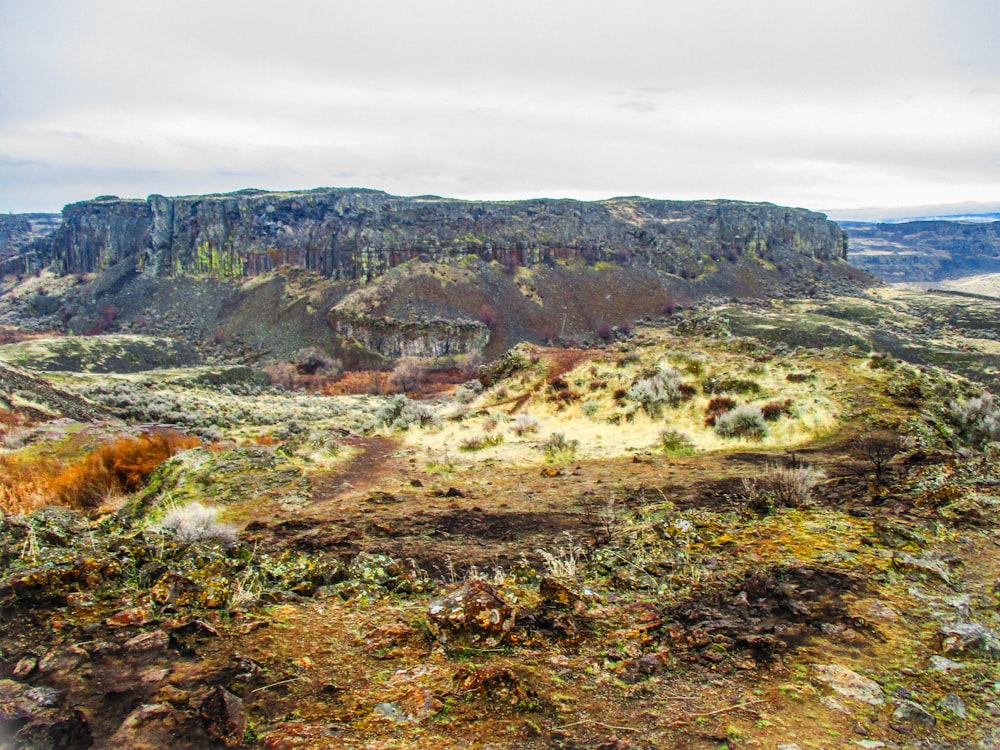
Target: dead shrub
718,406
121,466
775,410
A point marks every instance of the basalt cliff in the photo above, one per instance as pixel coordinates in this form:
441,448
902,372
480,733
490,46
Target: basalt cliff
370,275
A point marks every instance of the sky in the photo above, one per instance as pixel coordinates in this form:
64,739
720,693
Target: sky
833,105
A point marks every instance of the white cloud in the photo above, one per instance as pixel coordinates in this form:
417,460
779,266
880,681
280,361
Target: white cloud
821,104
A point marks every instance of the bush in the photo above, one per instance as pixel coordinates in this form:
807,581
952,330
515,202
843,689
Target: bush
775,410
195,522
400,412
718,406
408,374
478,443
524,424
730,385
676,443
779,486
558,445
977,419
743,421
313,361
123,465
661,389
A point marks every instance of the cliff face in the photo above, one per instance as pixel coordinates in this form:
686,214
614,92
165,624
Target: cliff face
21,236
361,234
925,250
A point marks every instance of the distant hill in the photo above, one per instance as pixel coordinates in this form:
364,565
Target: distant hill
926,251
367,276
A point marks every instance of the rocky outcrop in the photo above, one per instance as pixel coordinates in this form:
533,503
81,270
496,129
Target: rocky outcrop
394,338
361,234
925,250
20,244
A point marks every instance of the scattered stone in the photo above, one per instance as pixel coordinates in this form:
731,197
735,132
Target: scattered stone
850,684
943,664
154,640
24,667
35,718
908,713
830,702
376,569
223,716
65,660
382,640
954,705
869,744
923,565
135,616
150,727
896,535
292,734
788,746
418,704
472,615
498,684
876,609
558,594
104,648
969,638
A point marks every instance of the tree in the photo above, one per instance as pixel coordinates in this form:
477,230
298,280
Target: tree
878,449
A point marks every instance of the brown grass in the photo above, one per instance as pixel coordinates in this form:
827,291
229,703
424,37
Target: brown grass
120,466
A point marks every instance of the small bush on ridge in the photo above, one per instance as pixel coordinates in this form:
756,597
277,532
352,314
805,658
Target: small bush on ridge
743,421
195,522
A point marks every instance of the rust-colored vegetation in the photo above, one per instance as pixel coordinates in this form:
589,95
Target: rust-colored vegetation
120,466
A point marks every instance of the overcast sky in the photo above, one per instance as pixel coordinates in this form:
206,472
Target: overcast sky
825,104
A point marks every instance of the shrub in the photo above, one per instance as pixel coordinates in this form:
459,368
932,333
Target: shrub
730,385
800,377
779,487
590,408
879,361
123,465
676,443
558,445
399,413
524,424
775,410
743,421
478,443
467,393
195,522
977,418
408,374
718,406
661,389
313,361
281,375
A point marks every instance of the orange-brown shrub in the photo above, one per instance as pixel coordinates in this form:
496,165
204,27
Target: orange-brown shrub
123,465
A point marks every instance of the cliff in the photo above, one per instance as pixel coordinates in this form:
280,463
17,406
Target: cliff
361,234
925,250
368,276
21,239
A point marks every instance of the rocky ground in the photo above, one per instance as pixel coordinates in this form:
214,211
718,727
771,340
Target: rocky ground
574,551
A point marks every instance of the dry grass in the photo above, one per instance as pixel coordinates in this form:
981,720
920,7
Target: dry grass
120,466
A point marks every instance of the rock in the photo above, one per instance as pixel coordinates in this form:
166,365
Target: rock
954,705
223,716
24,667
154,640
850,684
788,746
375,569
923,565
909,713
418,704
969,638
36,718
292,734
151,727
558,594
472,615
65,660
129,617
943,664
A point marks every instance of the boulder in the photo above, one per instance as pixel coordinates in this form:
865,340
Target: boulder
472,615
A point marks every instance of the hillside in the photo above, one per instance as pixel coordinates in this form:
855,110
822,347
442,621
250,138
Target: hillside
366,276
682,539
924,251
